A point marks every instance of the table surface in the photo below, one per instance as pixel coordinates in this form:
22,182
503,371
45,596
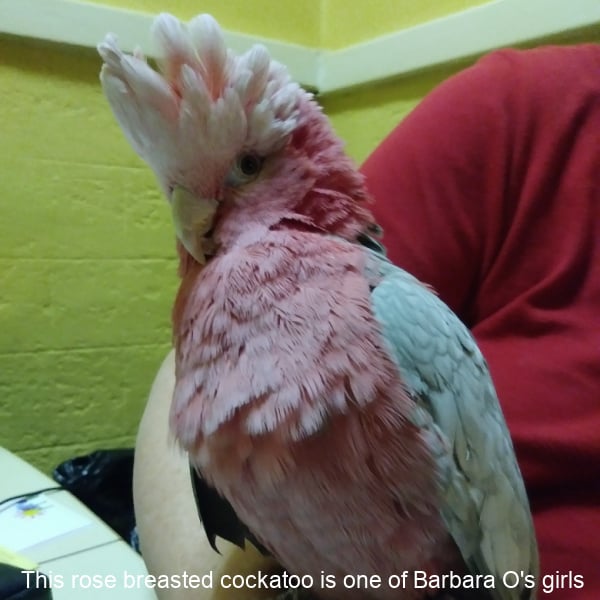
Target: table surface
93,561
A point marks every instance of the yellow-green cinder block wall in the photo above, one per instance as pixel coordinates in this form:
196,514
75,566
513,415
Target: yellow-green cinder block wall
378,108
86,261
87,266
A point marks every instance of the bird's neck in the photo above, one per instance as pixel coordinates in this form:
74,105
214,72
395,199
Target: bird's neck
337,201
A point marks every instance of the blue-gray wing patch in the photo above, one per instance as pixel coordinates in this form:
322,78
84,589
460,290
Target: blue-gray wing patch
485,504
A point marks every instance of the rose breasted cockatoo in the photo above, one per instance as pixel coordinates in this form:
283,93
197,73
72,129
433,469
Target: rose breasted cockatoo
331,402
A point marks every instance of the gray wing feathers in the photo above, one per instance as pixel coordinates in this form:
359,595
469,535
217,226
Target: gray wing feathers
485,505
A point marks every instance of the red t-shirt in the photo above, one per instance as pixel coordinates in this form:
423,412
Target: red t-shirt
490,192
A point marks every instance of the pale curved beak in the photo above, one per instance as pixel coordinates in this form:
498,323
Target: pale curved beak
193,219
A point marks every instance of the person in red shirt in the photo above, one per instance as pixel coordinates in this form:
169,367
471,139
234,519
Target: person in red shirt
489,191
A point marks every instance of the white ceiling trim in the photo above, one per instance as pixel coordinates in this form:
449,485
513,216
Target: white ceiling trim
461,35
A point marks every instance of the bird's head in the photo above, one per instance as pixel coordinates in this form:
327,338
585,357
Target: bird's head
235,144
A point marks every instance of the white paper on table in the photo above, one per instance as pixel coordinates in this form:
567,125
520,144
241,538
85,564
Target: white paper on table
37,519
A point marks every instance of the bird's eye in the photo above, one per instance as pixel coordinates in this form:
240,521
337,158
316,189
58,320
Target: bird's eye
249,164
245,169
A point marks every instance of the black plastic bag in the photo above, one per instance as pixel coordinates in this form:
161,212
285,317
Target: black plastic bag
103,481
17,584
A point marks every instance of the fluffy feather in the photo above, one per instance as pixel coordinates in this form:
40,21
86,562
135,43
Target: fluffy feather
206,107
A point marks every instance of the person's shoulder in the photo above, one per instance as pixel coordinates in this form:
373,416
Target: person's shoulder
550,54
547,65
509,85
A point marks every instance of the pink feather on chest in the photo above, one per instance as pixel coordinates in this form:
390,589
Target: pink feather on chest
288,403
268,332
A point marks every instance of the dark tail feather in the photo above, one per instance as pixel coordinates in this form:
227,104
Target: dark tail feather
219,518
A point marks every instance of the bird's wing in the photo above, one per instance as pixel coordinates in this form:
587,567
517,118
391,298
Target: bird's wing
485,507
